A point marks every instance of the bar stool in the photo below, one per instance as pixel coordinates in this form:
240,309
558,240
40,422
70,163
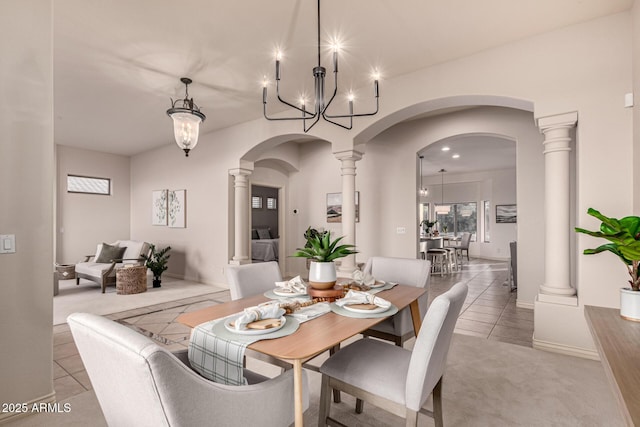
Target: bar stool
452,255
438,257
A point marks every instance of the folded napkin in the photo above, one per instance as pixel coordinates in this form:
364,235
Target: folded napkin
362,278
268,310
358,297
295,285
311,312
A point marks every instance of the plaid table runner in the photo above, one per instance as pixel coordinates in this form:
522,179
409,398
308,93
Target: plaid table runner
217,358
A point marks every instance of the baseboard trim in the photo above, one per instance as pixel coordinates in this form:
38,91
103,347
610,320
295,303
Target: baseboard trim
527,305
565,349
12,416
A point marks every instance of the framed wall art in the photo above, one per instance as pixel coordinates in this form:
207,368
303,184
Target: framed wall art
506,214
159,207
334,207
177,211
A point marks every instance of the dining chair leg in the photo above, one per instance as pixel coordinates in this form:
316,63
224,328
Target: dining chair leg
325,402
411,418
359,406
437,404
336,392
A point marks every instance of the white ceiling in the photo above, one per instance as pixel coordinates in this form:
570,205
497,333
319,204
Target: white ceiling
117,62
476,153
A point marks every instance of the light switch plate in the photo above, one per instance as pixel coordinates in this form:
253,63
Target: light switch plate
7,243
401,230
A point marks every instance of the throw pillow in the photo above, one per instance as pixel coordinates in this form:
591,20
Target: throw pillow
254,234
263,233
109,253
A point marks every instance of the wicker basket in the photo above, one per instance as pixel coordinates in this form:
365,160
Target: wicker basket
131,280
66,271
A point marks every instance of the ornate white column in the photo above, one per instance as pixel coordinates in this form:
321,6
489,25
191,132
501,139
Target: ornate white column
348,169
241,215
557,265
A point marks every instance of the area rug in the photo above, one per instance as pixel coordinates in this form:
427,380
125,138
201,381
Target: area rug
87,297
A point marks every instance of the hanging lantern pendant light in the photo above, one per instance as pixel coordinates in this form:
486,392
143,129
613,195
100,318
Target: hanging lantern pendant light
442,209
186,119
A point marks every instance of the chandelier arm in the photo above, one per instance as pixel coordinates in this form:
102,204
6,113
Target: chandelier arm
335,91
284,118
302,110
342,116
340,124
307,129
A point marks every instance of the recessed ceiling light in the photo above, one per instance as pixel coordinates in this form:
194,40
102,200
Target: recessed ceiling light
456,156
445,148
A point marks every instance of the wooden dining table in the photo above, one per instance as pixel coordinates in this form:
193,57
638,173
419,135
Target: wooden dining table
314,336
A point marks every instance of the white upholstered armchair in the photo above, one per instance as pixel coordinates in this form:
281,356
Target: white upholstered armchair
138,383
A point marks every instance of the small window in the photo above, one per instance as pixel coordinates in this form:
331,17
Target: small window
272,203
256,202
487,221
88,185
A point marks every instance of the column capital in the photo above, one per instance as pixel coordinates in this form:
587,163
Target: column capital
240,172
566,120
348,155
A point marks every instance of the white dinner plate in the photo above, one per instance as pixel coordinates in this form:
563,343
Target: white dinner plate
364,311
378,284
227,325
282,293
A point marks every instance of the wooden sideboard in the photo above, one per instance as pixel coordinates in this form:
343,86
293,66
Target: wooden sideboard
618,343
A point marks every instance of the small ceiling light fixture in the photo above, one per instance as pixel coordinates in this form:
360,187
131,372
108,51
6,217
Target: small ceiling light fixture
424,192
186,119
445,148
320,106
442,209
455,156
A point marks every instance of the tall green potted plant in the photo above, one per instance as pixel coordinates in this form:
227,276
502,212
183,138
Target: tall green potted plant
322,251
624,241
157,263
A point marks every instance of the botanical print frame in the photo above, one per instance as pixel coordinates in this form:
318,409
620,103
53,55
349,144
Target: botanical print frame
334,207
159,207
506,214
177,213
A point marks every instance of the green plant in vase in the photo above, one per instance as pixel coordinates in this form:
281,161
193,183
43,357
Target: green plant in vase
624,242
157,263
322,251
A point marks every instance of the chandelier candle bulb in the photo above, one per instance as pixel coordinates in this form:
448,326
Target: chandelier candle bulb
335,59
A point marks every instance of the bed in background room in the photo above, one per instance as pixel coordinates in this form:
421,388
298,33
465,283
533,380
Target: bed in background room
263,246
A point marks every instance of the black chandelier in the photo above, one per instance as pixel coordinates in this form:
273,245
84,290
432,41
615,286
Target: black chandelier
186,119
320,107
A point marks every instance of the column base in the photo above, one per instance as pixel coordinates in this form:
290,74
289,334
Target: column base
240,261
554,291
570,300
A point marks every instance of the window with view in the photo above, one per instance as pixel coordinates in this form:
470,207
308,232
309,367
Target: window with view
487,221
462,217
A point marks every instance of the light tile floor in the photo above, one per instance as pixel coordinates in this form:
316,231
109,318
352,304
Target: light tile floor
489,312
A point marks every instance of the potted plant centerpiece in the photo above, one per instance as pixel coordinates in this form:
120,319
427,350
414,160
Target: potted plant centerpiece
624,237
157,263
322,252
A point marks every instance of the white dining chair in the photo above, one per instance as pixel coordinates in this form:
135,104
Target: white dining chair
393,378
406,271
138,383
252,279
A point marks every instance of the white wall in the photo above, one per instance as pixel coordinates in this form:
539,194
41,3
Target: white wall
26,209
636,108
84,220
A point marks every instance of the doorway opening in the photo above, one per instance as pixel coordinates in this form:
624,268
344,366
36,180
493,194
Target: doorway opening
265,231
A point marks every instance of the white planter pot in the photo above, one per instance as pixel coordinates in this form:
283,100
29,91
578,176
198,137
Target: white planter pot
322,275
630,304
